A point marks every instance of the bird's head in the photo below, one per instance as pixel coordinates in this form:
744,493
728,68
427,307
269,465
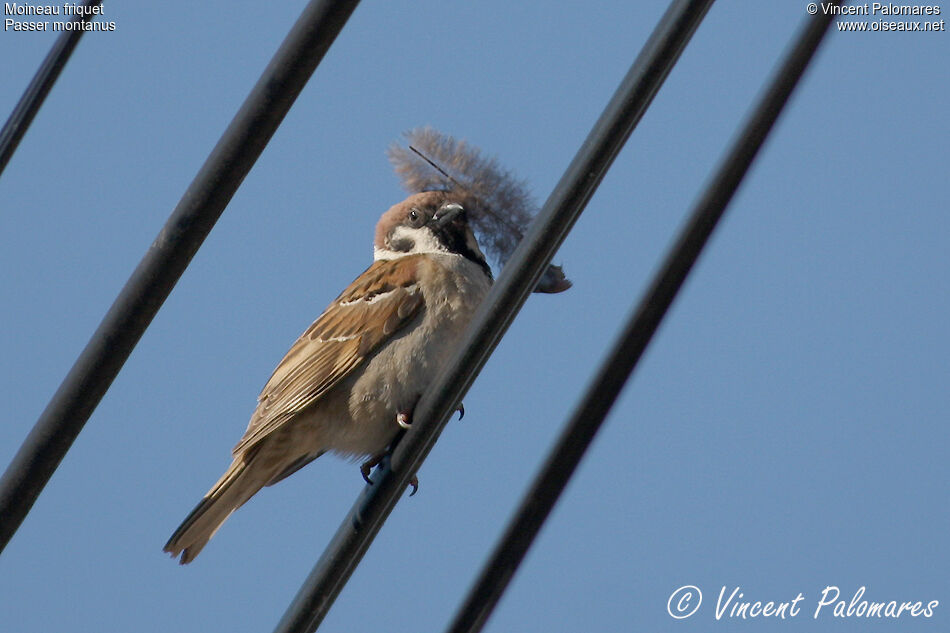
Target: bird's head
432,222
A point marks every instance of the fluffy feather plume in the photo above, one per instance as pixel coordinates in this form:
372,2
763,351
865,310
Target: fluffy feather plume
501,208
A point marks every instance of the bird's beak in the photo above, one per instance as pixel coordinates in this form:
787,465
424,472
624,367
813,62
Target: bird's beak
446,214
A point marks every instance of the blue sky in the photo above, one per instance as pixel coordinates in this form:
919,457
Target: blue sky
786,430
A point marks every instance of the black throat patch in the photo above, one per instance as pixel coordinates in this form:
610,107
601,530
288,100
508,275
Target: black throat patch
453,237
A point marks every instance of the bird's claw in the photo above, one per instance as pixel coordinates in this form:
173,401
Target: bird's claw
368,465
404,418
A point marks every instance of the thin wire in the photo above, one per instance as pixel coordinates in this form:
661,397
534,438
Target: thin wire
626,352
167,258
35,93
519,277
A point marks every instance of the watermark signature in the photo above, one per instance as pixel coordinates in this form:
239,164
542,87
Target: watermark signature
880,16
732,604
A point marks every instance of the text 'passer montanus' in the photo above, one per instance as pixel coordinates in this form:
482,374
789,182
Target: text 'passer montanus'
355,375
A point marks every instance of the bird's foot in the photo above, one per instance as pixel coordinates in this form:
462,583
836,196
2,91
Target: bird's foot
368,465
461,410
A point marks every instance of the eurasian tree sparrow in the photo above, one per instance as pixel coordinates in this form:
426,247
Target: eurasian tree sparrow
353,378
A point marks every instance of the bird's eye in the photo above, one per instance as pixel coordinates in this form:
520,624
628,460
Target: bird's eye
415,217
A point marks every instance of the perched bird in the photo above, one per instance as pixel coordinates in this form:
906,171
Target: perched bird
353,378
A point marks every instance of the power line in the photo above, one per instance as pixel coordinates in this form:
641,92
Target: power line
626,352
165,261
509,293
35,93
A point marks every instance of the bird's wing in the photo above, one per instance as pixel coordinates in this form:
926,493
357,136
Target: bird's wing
377,304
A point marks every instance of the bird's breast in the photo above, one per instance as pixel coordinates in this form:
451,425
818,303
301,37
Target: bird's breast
396,375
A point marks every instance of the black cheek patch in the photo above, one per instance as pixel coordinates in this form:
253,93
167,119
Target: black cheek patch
402,244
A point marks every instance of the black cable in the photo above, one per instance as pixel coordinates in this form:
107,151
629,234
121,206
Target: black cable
167,258
624,355
35,93
518,278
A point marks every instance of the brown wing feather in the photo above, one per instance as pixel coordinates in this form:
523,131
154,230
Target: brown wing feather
380,302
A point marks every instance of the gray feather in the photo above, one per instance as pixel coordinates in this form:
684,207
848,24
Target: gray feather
500,207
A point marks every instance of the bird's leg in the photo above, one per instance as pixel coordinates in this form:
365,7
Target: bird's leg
404,420
368,465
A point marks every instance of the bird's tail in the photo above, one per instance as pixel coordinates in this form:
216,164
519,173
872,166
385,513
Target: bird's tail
232,490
